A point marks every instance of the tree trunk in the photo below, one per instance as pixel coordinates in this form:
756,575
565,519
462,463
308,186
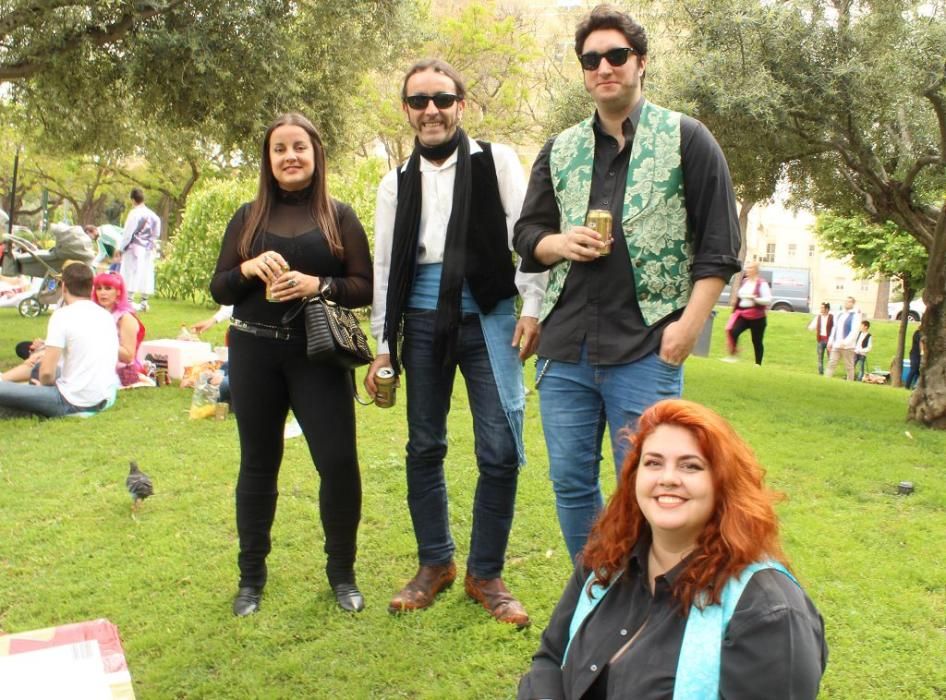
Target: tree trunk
928,402
744,209
883,298
896,367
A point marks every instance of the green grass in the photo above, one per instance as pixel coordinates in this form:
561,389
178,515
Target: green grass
873,562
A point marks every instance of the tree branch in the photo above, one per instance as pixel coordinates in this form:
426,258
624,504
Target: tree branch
31,65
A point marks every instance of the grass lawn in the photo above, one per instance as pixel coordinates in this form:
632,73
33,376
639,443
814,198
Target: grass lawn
873,562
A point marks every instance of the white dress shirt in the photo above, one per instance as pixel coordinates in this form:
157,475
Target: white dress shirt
436,206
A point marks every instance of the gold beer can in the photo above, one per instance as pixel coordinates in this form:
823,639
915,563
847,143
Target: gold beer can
269,286
600,220
386,394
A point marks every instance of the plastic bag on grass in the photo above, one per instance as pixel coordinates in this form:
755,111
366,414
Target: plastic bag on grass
206,393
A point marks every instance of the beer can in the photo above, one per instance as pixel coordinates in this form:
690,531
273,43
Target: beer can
600,220
269,287
386,394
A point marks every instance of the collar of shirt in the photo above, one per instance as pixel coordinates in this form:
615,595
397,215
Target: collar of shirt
637,562
629,126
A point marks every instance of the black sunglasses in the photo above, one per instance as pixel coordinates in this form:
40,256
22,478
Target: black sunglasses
442,100
616,57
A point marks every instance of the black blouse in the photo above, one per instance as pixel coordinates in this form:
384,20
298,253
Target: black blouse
774,646
293,233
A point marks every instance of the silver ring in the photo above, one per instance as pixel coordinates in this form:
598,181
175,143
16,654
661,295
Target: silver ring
293,282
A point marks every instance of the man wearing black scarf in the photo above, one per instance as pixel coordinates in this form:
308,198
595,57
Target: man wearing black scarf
444,299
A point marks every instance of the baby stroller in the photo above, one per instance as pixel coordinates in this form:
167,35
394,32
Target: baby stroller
23,257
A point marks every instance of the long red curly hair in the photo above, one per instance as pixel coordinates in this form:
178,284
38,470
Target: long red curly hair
743,528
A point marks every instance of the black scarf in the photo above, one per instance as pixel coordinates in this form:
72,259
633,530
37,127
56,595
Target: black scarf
404,248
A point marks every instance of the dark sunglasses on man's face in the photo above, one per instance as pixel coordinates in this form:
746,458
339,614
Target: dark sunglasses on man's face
616,57
442,100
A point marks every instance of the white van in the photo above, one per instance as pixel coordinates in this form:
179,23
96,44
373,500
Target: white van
791,288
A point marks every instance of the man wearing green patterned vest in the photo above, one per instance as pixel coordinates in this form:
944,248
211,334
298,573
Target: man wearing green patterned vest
619,317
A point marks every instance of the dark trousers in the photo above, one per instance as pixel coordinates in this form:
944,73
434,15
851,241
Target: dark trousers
822,349
756,327
267,378
429,387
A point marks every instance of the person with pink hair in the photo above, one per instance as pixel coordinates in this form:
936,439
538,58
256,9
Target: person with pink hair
108,291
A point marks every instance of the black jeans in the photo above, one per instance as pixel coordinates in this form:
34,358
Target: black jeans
267,378
756,327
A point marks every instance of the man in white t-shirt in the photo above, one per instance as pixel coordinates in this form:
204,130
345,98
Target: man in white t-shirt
77,370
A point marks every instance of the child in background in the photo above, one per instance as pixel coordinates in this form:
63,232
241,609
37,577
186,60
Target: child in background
862,346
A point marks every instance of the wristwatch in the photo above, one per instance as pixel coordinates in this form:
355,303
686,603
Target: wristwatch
327,290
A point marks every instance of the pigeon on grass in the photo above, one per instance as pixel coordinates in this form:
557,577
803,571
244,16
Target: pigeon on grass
139,486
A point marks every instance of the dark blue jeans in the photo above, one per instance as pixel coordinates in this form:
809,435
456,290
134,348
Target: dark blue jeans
429,387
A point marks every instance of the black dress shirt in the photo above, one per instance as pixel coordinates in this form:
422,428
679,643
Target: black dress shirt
292,232
773,649
598,306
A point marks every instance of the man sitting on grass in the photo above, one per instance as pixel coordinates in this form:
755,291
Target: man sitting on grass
82,335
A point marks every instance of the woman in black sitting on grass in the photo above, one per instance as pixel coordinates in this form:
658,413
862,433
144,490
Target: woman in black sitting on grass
301,243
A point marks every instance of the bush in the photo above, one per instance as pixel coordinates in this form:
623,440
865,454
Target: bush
355,182
191,254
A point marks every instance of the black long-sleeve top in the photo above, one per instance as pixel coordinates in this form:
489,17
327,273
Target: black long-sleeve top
293,233
773,649
599,306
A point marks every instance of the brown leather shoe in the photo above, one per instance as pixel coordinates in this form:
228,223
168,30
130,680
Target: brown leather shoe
493,595
421,590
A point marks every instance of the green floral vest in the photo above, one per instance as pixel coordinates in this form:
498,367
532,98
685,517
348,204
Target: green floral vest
654,219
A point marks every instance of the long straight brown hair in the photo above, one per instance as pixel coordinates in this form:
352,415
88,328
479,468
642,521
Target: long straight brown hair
323,209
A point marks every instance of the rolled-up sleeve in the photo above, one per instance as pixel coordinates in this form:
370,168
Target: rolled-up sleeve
710,204
540,215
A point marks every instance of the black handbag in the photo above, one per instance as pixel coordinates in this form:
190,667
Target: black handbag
332,334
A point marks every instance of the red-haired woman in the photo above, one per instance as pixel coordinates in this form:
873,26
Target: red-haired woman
683,589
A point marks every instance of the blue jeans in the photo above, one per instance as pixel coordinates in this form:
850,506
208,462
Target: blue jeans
429,388
576,400
34,399
859,362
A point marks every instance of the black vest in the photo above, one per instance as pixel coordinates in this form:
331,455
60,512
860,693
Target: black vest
489,271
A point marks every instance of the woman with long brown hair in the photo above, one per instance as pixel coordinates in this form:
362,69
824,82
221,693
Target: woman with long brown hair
292,242
683,589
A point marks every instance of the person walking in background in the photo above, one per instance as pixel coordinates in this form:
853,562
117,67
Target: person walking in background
446,284
916,356
291,243
616,328
750,307
842,338
683,589
862,345
137,249
822,324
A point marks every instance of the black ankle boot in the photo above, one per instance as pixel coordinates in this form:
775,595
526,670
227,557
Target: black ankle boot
247,601
349,598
